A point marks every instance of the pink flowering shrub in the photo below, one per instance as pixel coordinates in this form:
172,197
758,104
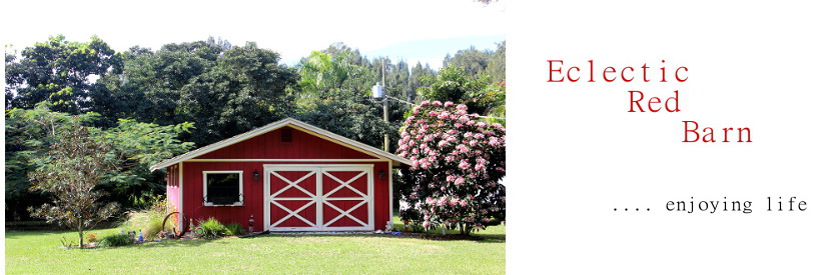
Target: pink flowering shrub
458,162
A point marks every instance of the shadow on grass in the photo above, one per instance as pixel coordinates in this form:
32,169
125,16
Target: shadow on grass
480,238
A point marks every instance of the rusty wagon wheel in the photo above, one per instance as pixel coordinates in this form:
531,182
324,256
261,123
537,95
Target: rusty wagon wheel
184,226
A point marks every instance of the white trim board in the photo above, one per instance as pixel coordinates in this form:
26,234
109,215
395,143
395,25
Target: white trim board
296,124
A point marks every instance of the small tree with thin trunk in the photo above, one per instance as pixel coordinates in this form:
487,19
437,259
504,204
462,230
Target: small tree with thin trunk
70,172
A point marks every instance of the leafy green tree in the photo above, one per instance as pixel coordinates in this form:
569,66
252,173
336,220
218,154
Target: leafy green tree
247,88
149,87
70,172
479,94
137,146
30,134
471,60
497,65
420,76
58,71
224,90
336,85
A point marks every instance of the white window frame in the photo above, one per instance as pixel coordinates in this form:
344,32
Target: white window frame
241,201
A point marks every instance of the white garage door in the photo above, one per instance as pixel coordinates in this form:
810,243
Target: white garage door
318,197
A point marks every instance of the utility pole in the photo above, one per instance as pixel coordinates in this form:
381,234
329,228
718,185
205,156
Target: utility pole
384,106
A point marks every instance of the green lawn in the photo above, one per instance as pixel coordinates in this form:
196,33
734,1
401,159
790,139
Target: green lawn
36,252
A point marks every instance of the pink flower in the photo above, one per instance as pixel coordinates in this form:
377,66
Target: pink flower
494,141
481,124
461,107
436,103
425,103
448,104
442,143
444,115
463,119
479,136
425,224
463,203
459,181
458,125
463,165
473,142
433,113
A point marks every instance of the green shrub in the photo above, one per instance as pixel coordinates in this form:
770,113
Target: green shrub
115,240
234,229
212,229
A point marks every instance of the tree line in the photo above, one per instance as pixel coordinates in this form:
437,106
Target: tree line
154,104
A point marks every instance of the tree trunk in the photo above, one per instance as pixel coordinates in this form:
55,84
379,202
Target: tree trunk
466,230
80,231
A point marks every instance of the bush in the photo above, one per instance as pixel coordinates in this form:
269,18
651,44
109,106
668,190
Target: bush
234,229
212,229
115,240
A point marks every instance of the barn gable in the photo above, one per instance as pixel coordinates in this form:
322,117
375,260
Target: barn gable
274,141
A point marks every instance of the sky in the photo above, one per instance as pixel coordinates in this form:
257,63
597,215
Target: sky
416,31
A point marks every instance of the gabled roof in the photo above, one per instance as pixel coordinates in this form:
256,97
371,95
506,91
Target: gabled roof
310,129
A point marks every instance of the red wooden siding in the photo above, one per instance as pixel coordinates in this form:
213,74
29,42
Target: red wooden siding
254,200
270,146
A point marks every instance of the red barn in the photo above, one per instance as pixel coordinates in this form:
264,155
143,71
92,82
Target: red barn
288,175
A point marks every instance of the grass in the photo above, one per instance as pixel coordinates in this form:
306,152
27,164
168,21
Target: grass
36,252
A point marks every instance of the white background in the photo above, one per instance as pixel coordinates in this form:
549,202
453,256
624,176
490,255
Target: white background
575,153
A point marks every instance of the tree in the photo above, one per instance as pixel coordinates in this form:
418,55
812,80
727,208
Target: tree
70,172
135,146
458,163
335,95
471,60
29,136
247,88
58,71
224,90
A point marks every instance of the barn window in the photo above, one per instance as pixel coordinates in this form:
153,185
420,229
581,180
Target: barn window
222,188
